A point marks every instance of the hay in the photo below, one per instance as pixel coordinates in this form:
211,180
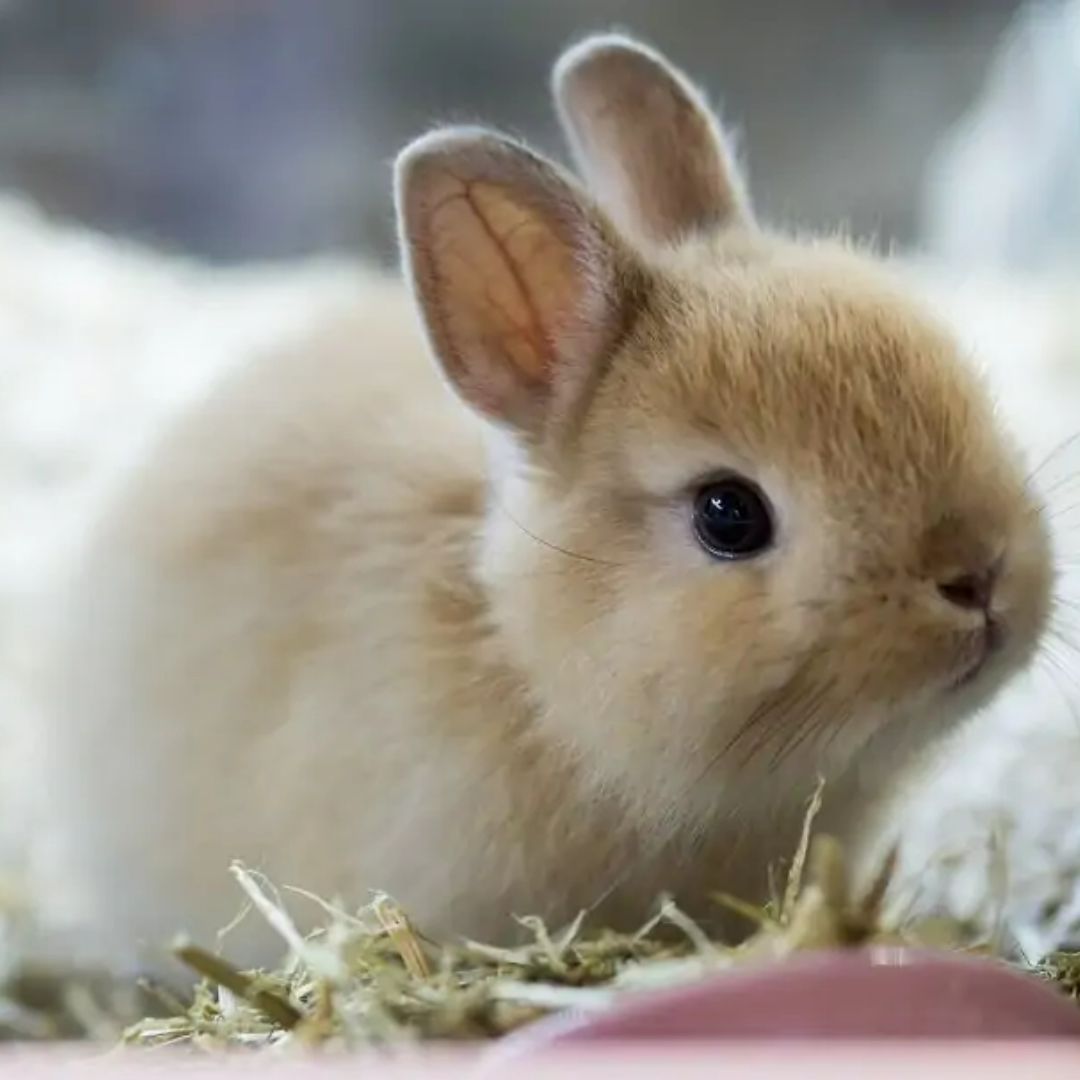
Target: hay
373,978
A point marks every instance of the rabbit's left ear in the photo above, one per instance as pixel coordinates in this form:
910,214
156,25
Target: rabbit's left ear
648,144
522,284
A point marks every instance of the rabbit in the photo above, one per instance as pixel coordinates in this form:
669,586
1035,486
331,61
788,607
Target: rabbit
549,575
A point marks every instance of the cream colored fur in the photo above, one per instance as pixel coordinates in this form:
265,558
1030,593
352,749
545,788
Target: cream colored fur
369,621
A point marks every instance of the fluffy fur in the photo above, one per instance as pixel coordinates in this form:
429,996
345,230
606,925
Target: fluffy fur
368,621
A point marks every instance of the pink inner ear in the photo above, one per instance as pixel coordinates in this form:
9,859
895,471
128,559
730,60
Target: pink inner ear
507,272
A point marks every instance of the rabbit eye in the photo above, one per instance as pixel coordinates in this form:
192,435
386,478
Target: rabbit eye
732,519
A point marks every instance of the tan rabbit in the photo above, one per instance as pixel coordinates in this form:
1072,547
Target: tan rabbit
683,515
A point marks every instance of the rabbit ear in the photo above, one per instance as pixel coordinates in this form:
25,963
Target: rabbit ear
646,140
522,284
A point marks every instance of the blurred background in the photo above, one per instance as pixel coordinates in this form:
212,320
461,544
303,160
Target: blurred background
241,129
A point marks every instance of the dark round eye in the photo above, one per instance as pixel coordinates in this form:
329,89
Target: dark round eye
731,519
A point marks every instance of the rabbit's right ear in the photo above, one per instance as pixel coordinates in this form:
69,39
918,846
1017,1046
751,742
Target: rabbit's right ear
646,140
523,285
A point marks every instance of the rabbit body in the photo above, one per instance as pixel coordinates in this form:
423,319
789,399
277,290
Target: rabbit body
319,513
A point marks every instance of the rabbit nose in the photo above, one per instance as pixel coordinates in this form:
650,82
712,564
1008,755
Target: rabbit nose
971,591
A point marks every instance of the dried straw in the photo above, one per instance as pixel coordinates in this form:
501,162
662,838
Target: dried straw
372,978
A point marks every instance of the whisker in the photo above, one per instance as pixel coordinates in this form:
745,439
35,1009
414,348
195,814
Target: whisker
806,727
779,718
841,724
1058,449
1051,664
1060,628
1047,491
1054,512
775,713
787,698
555,547
1068,644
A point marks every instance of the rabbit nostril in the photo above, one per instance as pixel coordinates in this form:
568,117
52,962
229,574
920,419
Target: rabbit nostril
972,592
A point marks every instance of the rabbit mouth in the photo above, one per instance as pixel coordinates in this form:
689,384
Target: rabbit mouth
990,641
971,672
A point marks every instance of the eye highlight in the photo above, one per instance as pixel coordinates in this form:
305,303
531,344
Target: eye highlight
732,519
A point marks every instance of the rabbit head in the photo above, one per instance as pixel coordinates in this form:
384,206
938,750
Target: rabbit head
752,517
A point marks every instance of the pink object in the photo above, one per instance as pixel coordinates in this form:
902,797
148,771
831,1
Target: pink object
890,993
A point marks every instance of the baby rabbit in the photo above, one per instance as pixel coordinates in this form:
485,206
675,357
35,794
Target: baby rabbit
682,515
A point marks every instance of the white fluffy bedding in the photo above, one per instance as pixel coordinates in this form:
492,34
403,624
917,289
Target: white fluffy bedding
98,340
